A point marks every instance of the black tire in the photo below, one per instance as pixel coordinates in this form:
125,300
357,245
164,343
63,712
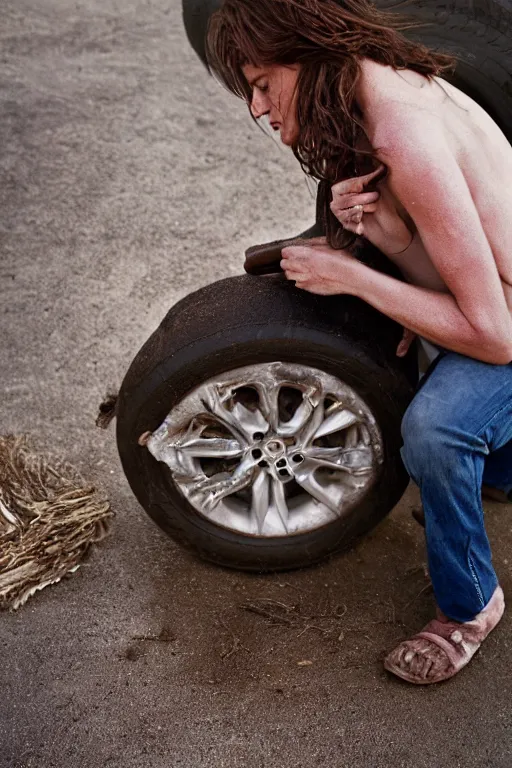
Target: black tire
241,321
480,35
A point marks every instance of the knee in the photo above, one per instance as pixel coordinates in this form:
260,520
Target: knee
424,435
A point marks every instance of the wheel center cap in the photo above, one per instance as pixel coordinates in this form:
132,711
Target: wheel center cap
274,448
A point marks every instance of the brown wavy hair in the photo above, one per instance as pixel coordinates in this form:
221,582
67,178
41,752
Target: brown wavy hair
326,37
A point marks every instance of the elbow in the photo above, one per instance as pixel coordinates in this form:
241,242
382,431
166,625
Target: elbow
493,337
503,356
498,351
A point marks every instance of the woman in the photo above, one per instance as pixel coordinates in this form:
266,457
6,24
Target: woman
353,97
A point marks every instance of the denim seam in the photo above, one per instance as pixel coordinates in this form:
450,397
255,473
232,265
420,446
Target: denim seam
476,581
491,419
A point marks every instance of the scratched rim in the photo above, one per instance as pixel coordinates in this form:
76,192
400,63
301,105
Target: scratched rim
272,449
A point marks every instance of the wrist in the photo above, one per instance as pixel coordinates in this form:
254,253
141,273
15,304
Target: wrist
360,274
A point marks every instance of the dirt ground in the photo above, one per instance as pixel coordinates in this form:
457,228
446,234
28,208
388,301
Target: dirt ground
128,179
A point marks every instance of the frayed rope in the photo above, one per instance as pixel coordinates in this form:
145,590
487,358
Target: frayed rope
48,520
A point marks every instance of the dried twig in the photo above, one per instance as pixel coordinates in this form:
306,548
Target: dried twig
281,614
236,644
266,607
426,588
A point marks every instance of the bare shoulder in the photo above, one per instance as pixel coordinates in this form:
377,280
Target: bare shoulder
399,104
396,126
405,143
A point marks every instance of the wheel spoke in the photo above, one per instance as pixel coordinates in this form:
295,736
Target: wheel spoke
352,437
250,421
279,499
306,479
182,465
352,460
214,406
212,489
298,421
269,403
260,499
213,447
340,419
308,433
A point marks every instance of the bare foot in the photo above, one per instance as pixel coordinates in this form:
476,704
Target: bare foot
444,647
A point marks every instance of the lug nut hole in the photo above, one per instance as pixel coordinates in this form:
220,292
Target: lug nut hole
258,436
298,458
257,454
263,464
281,463
283,472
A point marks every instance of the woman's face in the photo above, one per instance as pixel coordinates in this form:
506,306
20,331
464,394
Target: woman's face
274,93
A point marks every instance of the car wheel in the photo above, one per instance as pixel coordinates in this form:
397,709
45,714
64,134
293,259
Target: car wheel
260,425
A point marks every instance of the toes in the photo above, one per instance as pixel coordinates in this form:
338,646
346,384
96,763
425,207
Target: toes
406,658
428,669
420,663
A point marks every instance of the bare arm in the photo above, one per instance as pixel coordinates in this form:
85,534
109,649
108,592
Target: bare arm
426,178
473,318
436,316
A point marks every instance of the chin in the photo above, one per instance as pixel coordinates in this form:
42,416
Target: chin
289,139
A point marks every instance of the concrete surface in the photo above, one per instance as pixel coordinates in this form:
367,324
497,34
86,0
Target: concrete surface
128,178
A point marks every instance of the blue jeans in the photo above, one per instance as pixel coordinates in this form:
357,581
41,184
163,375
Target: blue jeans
457,435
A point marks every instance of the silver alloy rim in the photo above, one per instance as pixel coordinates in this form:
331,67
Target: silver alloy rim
272,449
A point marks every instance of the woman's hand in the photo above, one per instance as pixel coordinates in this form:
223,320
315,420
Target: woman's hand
318,268
370,214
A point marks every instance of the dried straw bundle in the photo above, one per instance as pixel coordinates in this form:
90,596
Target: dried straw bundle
48,520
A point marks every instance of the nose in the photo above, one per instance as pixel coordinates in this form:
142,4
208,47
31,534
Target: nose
259,105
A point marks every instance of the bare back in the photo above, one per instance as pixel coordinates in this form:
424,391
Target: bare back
482,152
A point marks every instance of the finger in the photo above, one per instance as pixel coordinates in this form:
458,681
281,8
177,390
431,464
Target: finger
350,218
352,199
354,212
357,182
348,215
294,251
407,339
296,277
369,176
291,272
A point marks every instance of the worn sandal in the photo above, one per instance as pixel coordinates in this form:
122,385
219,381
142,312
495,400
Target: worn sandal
444,647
